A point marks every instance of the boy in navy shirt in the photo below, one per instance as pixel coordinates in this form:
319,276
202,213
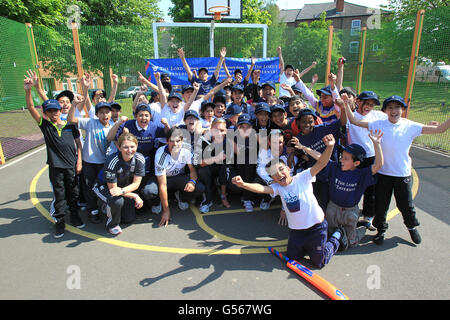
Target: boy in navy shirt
347,183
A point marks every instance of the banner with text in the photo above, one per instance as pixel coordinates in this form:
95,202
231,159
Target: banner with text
270,69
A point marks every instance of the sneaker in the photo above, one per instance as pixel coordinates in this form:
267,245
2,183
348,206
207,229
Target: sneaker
116,230
157,209
265,205
248,205
204,207
94,217
76,221
59,230
181,204
379,238
415,236
343,240
366,222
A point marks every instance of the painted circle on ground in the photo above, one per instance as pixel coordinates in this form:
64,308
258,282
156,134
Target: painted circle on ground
276,244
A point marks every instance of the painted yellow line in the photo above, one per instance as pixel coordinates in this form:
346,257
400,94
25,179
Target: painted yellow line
415,188
131,245
214,233
279,244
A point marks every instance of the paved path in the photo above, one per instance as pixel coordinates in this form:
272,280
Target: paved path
221,255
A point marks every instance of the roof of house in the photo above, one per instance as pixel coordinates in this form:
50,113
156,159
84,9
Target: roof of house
313,11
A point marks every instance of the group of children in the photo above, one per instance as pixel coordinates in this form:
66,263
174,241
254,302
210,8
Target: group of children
321,156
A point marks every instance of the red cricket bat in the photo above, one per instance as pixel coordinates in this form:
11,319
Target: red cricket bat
317,281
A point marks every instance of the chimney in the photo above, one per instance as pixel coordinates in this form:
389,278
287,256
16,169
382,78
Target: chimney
339,6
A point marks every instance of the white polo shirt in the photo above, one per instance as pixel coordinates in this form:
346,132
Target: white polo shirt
166,165
299,202
395,144
360,135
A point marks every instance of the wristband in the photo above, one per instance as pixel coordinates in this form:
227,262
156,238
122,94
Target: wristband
193,181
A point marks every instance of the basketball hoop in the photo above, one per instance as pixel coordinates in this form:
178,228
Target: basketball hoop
218,11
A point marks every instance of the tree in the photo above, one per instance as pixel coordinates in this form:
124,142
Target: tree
310,44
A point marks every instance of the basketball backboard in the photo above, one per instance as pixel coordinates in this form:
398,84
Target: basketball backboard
200,9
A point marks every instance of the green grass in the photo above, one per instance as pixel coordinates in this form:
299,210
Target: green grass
430,102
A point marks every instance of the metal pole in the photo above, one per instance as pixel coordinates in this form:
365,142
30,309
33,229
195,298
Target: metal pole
413,59
155,40
265,41
211,39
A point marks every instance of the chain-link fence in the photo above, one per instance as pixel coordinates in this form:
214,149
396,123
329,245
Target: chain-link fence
122,50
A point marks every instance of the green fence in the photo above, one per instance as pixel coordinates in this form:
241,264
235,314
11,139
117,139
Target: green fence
122,50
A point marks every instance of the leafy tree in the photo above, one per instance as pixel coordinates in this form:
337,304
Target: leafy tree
310,44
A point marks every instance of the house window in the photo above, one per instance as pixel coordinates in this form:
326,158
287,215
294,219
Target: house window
73,83
356,27
65,85
354,47
95,83
377,47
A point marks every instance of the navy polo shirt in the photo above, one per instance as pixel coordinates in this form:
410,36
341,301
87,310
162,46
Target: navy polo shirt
347,187
117,170
146,139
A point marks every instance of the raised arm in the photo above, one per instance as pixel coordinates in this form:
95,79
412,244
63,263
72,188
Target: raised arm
113,131
303,89
326,155
188,103
436,128
213,91
350,116
252,187
77,100
379,159
163,97
305,71
33,76
27,85
145,81
249,72
185,64
85,84
343,114
223,53
115,82
280,57
313,153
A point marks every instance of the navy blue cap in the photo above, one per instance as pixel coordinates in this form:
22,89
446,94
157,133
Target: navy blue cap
369,95
294,88
175,95
269,83
115,105
325,90
262,106
395,99
356,150
189,113
51,104
187,87
102,104
306,112
204,69
277,107
244,118
66,93
237,87
232,110
143,107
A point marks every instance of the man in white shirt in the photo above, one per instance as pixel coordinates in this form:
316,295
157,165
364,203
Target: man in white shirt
306,220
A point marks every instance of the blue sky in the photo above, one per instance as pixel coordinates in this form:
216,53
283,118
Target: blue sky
164,5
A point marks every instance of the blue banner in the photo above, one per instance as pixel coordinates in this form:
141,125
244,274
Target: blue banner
270,68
